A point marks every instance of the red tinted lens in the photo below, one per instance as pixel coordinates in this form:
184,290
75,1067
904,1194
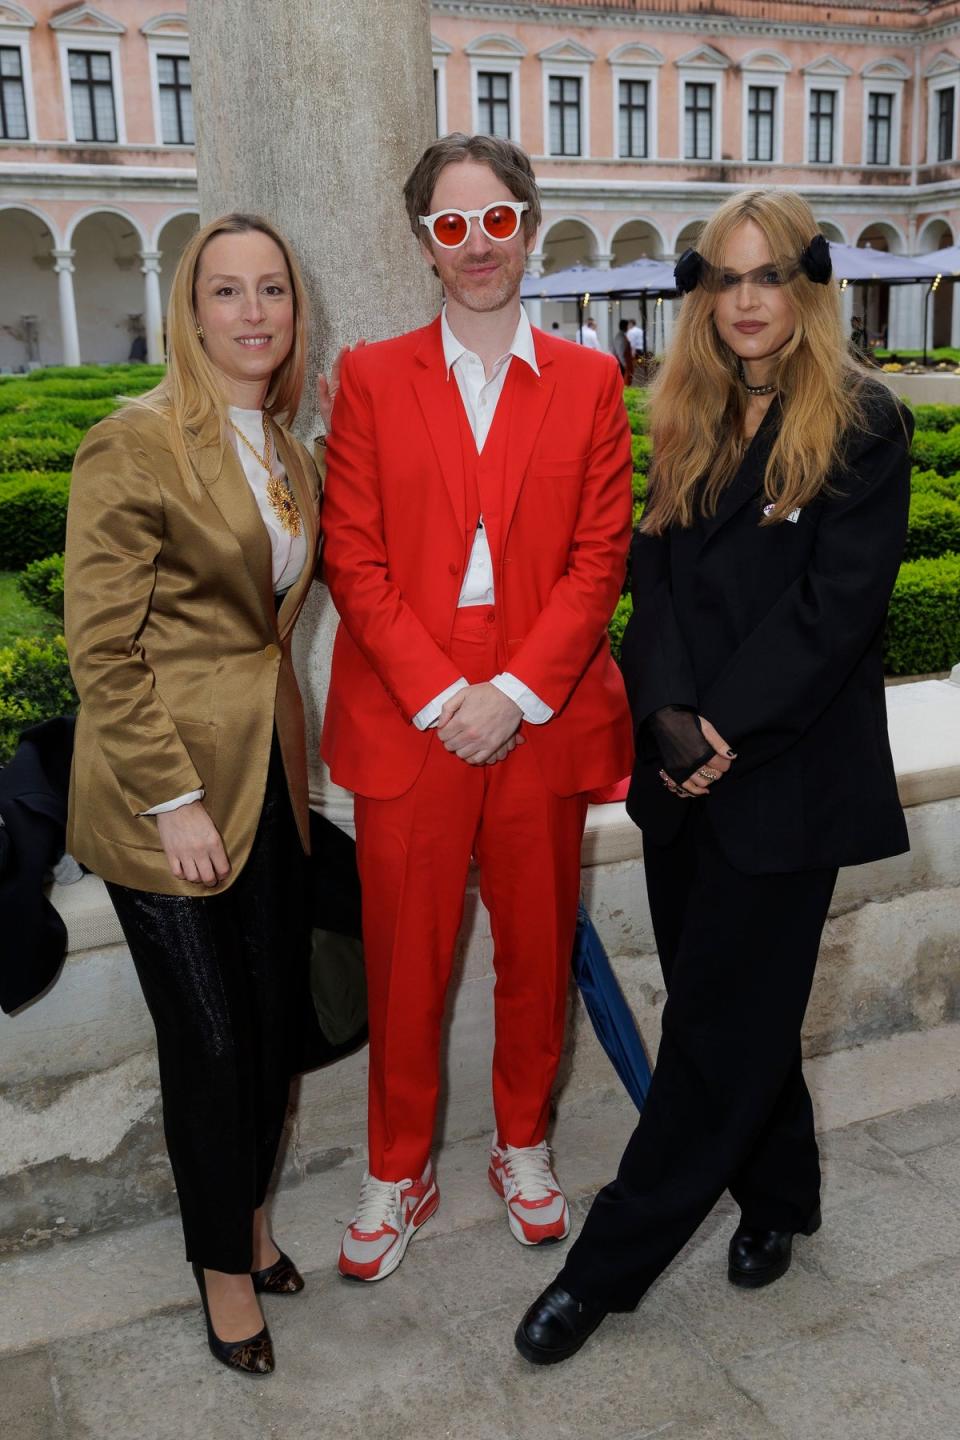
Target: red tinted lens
450,229
500,222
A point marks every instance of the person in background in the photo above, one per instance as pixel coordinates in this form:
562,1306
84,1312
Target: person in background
761,575
588,335
192,539
635,336
623,350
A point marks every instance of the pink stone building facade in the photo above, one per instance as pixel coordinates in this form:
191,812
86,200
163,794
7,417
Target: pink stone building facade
641,115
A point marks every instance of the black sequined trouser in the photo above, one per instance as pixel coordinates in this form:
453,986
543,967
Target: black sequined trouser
219,975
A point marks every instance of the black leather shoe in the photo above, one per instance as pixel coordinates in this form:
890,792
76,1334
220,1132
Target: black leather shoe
555,1327
254,1356
280,1278
758,1257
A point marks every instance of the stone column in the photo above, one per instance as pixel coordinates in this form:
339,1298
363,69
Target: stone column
63,265
152,307
313,112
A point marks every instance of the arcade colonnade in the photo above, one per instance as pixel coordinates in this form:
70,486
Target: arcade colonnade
605,241
79,287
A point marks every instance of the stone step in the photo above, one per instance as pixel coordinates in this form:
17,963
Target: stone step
104,1281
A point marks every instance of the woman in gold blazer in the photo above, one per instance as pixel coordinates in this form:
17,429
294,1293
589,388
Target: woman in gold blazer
192,539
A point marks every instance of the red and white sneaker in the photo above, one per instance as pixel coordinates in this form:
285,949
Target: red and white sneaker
524,1178
389,1214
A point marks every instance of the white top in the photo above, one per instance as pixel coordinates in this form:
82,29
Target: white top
588,338
289,551
635,336
480,398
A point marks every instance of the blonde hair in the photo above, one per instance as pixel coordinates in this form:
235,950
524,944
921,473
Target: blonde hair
191,393
698,402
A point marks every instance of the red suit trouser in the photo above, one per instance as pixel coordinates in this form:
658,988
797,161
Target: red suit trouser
414,853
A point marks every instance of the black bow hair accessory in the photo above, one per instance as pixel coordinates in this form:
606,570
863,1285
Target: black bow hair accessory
692,269
815,260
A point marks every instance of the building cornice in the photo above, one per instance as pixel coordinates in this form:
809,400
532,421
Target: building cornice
729,26
49,181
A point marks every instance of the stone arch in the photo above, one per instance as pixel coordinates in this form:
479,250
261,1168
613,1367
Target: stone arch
635,239
114,210
108,283
171,237
832,231
883,235
688,237
568,240
936,234
29,307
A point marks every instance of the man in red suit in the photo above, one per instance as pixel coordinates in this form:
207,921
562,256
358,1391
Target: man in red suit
476,520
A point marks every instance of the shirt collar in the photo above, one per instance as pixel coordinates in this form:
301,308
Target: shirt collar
522,344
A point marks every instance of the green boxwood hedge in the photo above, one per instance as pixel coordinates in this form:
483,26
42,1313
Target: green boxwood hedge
42,584
33,517
38,452
934,525
926,480
35,685
936,417
937,450
923,629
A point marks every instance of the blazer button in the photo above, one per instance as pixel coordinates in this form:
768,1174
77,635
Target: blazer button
271,652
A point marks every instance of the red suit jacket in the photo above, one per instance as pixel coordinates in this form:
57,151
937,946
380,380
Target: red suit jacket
395,555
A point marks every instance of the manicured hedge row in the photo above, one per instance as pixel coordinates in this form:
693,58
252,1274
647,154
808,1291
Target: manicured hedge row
53,453
937,450
934,525
35,684
42,584
33,517
929,480
923,629
936,417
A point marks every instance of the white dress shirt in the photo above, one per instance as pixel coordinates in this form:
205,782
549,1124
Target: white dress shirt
289,551
480,398
635,336
588,338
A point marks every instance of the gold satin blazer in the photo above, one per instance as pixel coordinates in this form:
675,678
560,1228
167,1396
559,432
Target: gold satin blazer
180,661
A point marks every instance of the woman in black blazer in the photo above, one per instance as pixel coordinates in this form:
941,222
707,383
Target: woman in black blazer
761,577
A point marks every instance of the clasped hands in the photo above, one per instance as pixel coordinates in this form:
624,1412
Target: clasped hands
696,786
479,725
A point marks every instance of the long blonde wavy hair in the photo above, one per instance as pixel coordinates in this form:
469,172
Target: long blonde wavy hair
191,395
698,402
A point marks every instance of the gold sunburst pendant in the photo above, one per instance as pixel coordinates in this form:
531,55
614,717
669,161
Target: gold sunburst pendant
283,505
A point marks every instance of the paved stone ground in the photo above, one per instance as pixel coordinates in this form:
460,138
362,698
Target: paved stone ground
860,1340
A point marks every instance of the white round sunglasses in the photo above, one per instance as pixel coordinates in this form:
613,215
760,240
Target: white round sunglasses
500,221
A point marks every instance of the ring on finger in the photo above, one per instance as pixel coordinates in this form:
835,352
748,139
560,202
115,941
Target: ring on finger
709,775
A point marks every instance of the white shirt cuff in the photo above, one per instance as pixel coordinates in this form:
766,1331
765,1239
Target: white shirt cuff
535,711
426,718
187,799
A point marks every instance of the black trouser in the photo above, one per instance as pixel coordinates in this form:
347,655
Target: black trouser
222,977
728,1105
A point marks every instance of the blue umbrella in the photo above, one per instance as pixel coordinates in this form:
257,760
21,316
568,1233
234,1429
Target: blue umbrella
610,1015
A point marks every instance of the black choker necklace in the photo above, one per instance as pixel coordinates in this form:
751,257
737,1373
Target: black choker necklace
753,389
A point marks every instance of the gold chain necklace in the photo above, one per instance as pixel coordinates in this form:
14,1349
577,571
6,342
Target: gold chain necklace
279,495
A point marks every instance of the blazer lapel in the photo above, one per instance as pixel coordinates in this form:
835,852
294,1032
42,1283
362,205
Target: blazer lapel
305,496
532,394
749,477
437,396
218,466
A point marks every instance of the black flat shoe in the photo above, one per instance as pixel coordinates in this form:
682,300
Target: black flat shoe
556,1326
758,1257
280,1278
253,1356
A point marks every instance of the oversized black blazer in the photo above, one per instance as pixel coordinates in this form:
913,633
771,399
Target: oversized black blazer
774,634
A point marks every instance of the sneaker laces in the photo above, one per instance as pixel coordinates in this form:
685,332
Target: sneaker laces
530,1171
379,1201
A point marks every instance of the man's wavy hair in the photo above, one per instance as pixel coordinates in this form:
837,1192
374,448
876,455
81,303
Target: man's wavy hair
507,161
698,401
